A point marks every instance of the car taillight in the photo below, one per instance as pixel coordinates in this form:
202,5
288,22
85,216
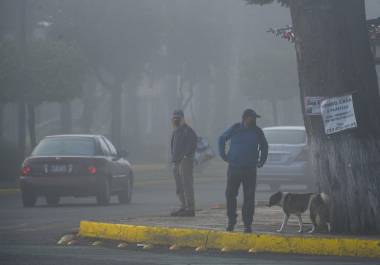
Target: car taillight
25,171
91,170
302,156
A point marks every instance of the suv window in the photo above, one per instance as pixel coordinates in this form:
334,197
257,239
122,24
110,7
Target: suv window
106,151
111,147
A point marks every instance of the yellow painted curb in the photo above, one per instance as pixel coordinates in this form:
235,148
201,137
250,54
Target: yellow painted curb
254,243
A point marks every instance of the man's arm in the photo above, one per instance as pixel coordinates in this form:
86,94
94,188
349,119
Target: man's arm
223,139
263,148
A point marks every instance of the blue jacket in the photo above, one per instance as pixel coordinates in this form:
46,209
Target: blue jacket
248,146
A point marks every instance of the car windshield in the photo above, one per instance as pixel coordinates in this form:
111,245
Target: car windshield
65,147
285,136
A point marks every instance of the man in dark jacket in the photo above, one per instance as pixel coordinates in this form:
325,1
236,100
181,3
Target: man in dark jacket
183,146
248,150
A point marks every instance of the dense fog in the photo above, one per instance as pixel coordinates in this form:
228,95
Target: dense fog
124,66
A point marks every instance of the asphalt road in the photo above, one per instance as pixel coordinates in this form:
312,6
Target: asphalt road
29,236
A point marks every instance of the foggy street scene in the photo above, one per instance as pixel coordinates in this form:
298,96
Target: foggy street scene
189,132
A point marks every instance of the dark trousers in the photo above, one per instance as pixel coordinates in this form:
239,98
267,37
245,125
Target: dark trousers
236,176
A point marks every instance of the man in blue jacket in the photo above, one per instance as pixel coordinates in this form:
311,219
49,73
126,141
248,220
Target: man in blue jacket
248,150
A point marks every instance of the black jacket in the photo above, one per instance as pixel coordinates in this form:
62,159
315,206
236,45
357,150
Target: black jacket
183,143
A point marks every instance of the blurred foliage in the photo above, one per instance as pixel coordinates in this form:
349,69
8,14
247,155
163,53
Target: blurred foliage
54,71
117,37
10,161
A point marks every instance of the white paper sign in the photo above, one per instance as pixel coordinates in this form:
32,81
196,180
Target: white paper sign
313,105
338,114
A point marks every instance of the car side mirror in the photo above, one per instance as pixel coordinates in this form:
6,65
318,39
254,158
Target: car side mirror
123,153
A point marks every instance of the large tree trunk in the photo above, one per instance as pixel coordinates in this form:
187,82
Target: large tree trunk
21,128
66,117
334,58
116,115
32,125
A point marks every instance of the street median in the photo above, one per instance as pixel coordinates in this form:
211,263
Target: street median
184,233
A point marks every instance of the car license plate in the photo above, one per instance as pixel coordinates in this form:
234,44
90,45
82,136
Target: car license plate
58,169
274,157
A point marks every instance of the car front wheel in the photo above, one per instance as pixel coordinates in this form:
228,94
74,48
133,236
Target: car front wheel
125,196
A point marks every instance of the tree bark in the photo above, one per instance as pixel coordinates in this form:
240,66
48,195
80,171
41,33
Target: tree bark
334,58
66,117
32,125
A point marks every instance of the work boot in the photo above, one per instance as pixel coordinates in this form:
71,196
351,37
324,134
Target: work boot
247,229
177,212
186,213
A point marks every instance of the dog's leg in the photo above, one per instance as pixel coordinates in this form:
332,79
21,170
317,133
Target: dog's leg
312,229
329,227
284,223
300,223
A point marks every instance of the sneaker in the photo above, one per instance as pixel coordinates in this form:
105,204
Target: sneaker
230,228
177,212
186,213
248,229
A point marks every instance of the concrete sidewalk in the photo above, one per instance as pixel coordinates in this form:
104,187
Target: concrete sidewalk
206,231
265,220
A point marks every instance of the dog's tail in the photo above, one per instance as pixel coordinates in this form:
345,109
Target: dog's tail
325,198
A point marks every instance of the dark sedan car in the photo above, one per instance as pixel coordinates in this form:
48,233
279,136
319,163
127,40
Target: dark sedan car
75,165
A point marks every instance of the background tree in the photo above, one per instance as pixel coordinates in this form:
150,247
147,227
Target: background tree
54,72
334,58
118,39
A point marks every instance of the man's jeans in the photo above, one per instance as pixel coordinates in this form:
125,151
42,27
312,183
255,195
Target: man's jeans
184,180
236,176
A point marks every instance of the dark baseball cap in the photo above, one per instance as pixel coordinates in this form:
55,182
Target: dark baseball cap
178,114
250,113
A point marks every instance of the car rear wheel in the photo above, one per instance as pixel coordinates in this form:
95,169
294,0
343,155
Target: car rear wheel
104,195
52,200
29,199
125,196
